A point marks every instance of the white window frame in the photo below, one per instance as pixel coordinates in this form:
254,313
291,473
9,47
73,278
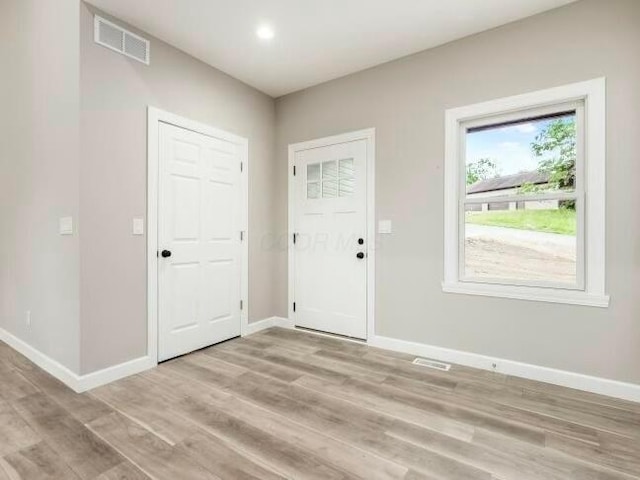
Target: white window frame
589,100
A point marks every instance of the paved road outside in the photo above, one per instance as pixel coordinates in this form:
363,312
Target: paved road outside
498,252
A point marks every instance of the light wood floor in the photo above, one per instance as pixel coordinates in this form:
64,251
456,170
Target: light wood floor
287,404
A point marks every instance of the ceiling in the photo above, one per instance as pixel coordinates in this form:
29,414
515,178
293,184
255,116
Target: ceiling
315,40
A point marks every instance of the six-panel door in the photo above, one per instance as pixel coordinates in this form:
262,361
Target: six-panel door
199,227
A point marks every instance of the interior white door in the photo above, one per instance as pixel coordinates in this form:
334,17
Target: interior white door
330,249
199,223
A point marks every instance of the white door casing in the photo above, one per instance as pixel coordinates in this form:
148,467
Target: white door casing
201,220
331,215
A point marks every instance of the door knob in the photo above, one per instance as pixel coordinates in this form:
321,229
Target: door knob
360,241
165,253
360,255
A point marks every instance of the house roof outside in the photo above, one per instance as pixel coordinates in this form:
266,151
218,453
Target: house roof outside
508,181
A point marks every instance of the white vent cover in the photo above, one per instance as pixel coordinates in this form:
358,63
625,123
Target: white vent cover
423,362
118,39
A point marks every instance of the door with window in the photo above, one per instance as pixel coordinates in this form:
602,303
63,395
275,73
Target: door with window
199,258
330,239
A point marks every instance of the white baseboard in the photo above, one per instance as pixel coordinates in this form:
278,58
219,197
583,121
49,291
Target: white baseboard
111,374
78,383
82,383
260,325
46,363
602,386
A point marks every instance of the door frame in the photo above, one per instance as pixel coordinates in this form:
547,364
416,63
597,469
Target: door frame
369,135
155,116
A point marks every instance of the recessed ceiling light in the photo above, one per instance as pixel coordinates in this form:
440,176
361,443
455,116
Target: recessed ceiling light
265,32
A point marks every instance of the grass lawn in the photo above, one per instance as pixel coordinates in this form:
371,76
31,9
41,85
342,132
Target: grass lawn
553,221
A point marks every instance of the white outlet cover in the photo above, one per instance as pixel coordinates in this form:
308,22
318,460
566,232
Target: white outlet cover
66,226
138,226
384,227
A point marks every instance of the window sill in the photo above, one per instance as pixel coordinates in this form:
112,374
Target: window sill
534,294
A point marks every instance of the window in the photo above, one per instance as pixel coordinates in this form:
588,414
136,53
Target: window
529,160
330,179
313,181
524,202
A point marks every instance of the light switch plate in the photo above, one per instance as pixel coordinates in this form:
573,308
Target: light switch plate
384,226
66,226
138,226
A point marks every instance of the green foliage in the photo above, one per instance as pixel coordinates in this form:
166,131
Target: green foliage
556,145
562,220
528,187
481,170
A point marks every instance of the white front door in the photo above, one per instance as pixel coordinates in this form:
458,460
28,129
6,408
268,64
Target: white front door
330,266
199,258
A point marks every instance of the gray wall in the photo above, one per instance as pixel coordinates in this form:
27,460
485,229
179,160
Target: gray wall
74,143
115,92
39,84
405,100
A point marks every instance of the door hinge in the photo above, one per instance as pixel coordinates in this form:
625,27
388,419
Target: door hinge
294,306
241,304
294,238
294,170
242,235
241,167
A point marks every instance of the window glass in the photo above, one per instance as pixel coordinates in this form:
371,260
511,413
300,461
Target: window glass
313,181
329,179
521,245
507,237
525,157
313,190
313,172
347,177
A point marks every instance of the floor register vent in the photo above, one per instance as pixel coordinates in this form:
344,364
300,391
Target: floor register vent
424,362
116,38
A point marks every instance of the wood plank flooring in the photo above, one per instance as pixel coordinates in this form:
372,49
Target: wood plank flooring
286,404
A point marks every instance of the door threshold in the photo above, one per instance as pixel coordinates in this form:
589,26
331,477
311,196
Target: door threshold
199,350
337,336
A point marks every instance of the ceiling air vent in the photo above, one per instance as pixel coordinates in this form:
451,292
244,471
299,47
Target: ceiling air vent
423,362
118,39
